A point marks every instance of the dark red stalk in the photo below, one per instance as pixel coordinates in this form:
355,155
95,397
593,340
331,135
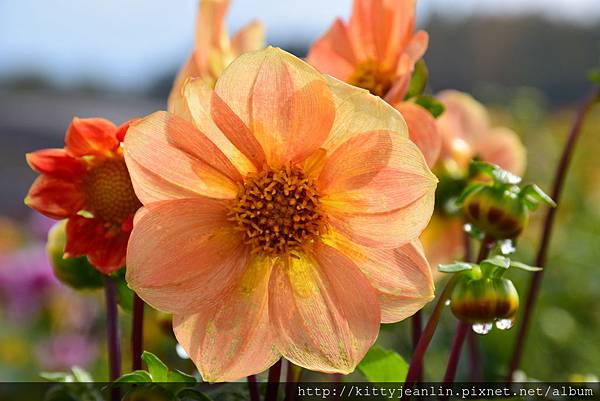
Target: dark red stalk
253,388
273,381
112,335
557,188
137,333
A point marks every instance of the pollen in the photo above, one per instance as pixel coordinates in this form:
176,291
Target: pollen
370,76
109,193
278,211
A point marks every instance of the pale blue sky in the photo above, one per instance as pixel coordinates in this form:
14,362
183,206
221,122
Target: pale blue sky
127,44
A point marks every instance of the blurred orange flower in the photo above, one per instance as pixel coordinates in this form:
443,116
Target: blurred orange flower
377,51
281,216
213,50
466,133
87,183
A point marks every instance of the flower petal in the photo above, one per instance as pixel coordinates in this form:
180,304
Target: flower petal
88,136
373,173
324,311
503,147
169,159
251,37
55,197
232,339
211,34
443,240
184,254
358,112
333,53
56,163
401,276
281,99
104,247
422,130
384,230
464,118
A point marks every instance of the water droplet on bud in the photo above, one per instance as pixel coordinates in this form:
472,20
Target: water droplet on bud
504,324
482,328
181,352
447,303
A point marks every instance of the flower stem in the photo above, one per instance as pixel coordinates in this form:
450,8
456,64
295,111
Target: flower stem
557,188
112,329
417,329
273,381
253,388
137,333
416,362
462,328
292,377
474,358
459,339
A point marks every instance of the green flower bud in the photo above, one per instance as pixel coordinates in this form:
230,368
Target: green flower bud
484,299
496,210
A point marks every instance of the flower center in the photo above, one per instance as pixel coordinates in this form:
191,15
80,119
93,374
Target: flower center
109,193
368,75
278,211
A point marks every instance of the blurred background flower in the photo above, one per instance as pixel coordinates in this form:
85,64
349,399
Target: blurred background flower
515,56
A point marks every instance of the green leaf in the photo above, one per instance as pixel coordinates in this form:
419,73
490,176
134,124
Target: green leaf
468,191
137,376
81,375
381,365
178,376
497,261
158,370
77,272
124,293
431,104
56,376
525,267
190,394
533,195
454,267
499,175
418,81
594,76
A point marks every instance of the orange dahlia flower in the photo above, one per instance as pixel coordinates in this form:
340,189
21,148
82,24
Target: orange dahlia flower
466,133
377,51
281,217
87,183
213,50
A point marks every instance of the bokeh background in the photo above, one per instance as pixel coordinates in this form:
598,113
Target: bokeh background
525,59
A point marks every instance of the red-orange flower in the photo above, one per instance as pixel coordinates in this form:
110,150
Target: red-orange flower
377,51
213,50
87,182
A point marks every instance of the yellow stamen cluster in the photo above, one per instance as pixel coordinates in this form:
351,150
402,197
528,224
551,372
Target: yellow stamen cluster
278,211
108,190
370,76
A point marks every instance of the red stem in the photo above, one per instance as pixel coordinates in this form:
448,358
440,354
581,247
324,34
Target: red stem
137,333
253,388
273,381
112,329
557,188
459,338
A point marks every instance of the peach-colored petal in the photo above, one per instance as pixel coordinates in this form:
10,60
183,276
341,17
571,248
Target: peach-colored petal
503,147
55,197
417,46
401,276
281,99
463,117
443,240
333,53
189,69
232,339
251,37
56,163
358,112
168,158
373,173
89,136
184,254
325,313
210,30
292,108
384,230
194,105
422,130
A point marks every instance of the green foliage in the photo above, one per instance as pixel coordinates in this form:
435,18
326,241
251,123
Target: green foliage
418,81
80,387
383,366
455,267
157,372
594,76
76,272
124,293
431,104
